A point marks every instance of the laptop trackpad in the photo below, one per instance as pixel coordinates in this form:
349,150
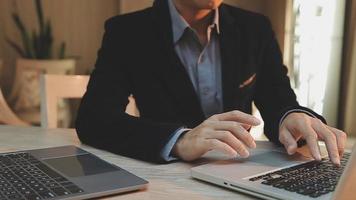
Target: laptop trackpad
276,159
80,165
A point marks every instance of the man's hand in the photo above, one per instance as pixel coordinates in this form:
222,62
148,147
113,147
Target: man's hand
225,132
299,125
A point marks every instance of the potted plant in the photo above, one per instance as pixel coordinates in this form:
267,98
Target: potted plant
38,56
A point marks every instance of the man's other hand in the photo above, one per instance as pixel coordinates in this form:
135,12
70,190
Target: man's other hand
226,132
299,125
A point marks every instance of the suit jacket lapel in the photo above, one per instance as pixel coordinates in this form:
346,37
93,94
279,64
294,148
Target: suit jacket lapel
230,48
174,75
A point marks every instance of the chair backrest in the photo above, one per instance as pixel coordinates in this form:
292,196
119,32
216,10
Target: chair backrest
55,87
7,116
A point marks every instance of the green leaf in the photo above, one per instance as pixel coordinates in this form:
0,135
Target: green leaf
39,12
16,47
62,50
48,38
24,35
34,44
18,22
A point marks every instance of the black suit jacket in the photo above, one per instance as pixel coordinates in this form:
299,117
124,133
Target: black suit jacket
137,57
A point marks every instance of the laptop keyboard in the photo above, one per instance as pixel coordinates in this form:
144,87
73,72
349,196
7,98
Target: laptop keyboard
22,176
314,178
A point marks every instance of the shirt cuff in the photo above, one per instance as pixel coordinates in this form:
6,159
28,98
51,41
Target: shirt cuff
166,151
295,111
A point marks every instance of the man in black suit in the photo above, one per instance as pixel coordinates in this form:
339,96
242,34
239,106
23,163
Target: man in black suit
194,68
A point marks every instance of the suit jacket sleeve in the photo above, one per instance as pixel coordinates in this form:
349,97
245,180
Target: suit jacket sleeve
274,95
102,121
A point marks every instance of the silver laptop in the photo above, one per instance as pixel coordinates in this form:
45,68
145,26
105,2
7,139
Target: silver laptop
270,173
64,172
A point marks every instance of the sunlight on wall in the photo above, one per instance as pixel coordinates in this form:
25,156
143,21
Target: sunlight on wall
317,54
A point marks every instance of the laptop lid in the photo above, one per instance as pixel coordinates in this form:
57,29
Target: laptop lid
345,189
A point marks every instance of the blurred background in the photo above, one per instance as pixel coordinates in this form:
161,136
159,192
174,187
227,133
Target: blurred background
317,38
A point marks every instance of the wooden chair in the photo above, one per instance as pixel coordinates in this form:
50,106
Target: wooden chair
25,94
7,116
55,87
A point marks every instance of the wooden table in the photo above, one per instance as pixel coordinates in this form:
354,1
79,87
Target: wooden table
170,181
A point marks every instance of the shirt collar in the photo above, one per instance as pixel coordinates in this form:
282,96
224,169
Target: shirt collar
179,25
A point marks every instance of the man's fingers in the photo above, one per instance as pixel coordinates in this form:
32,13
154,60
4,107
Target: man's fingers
330,141
237,116
287,139
340,139
228,138
215,144
312,141
237,130
247,127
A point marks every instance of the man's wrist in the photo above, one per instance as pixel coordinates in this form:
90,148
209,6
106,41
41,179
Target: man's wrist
166,152
175,151
300,142
294,111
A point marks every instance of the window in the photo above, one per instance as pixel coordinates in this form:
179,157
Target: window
316,54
